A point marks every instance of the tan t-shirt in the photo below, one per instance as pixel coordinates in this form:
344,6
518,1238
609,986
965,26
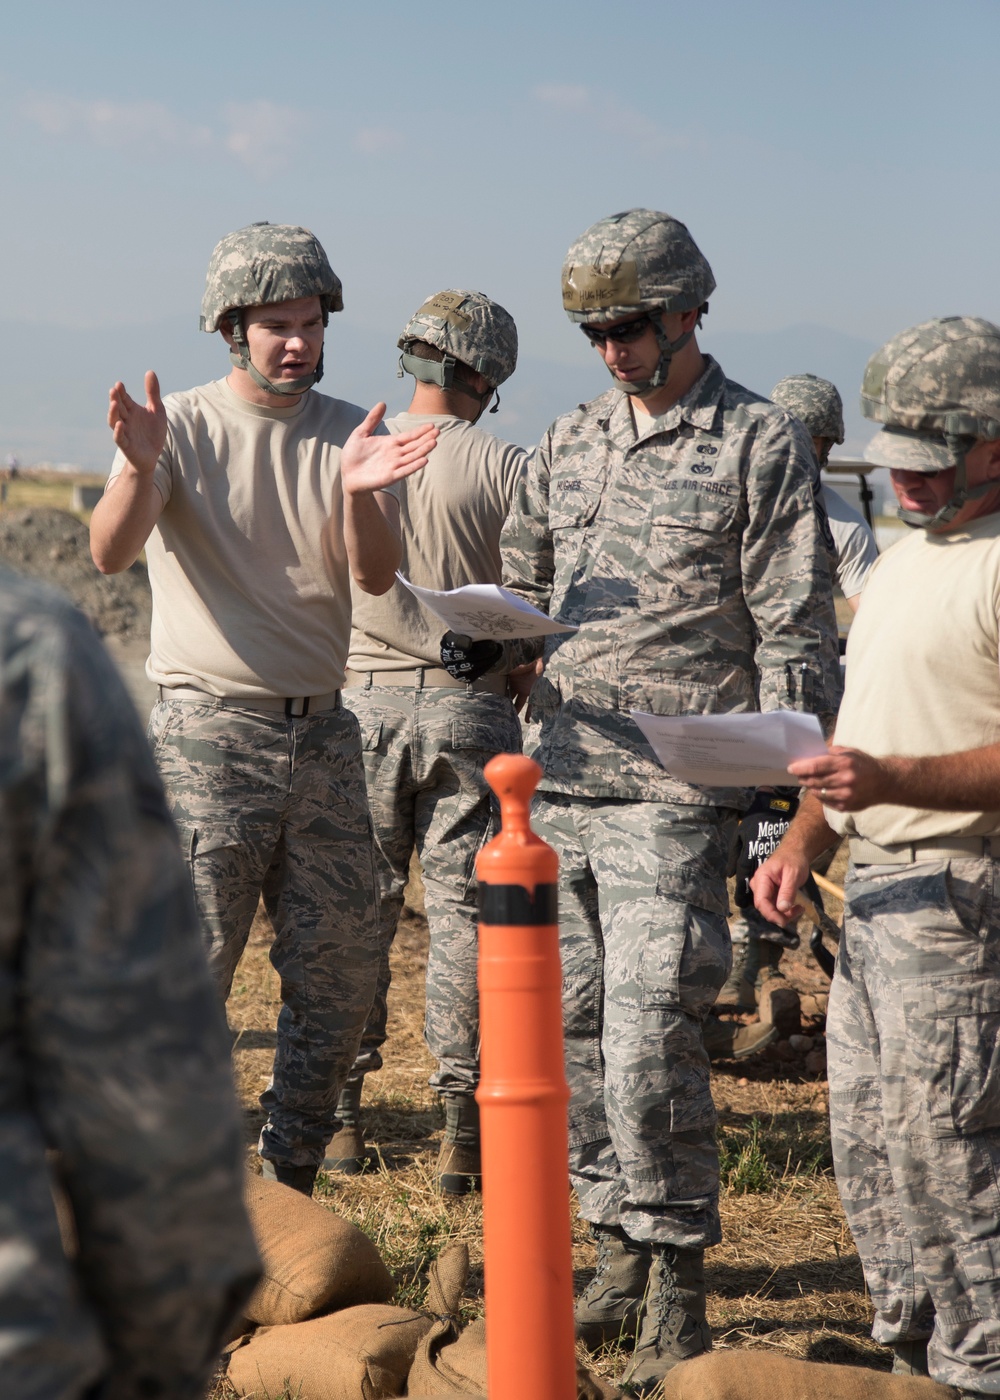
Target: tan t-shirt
923,670
451,515
251,593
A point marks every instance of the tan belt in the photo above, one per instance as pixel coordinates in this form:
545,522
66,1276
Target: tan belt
936,848
294,706
423,678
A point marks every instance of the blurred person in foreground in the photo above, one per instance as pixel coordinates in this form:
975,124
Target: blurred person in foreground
913,780
115,1088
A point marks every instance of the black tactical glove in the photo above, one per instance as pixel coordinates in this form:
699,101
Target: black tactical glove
467,660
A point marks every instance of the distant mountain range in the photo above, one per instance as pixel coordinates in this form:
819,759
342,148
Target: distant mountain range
54,380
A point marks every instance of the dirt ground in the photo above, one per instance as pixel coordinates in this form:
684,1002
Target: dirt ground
786,1276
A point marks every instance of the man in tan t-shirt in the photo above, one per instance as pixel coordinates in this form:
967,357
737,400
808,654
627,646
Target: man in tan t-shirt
259,501
913,779
427,733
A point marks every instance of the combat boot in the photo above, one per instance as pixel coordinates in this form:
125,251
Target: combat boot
298,1178
738,991
674,1328
345,1152
459,1165
728,1040
910,1358
610,1308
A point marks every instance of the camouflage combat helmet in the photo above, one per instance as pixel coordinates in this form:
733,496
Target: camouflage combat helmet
814,402
469,329
936,390
258,266
638,261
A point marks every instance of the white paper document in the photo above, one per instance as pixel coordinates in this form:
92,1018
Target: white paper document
749,750
485,610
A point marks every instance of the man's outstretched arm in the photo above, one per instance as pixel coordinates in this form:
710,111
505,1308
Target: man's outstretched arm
849,780
124,517
369,462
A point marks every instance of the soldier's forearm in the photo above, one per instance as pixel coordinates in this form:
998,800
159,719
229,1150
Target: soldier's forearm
968,781
373,546
809,834
123,520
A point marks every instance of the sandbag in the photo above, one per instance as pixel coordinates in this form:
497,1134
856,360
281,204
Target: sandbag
313,1261
764,1375
451,1360
362,1353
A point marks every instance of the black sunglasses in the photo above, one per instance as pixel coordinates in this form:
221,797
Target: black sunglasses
624,334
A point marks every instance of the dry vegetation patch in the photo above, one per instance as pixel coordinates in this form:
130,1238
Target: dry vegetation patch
786,1277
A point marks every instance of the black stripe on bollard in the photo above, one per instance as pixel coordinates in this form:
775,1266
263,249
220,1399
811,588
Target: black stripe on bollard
512,904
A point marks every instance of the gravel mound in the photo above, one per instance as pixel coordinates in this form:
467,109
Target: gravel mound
55,546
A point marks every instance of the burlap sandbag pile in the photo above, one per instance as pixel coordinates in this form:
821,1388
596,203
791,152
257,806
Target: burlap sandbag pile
360,1353
319,1322
313,1262
764,1375
450,1359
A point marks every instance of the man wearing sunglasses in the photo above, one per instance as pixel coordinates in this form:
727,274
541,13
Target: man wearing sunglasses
673,521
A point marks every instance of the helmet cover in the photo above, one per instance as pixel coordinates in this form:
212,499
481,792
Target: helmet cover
470,328
640,260
267,263
814,402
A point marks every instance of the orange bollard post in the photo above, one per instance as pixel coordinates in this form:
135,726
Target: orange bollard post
523,1097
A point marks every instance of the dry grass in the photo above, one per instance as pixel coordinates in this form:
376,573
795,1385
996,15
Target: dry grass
53,490
786,1276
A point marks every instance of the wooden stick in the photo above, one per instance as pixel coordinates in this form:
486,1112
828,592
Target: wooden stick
829,886
808,908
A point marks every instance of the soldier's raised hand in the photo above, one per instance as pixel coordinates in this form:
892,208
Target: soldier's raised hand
139,430
370,460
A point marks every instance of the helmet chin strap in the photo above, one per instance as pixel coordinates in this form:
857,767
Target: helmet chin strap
442,374
639,388
240,356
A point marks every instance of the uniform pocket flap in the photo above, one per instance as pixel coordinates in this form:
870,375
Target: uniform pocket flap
668,698
371,737
979,1260
482,737
963,996
203,840
692,1111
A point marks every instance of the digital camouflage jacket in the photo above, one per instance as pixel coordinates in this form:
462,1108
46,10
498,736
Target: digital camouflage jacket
694,557
114,1063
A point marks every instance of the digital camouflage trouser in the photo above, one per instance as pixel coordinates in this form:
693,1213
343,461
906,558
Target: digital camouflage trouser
276,807
914,1060
645,948
424,752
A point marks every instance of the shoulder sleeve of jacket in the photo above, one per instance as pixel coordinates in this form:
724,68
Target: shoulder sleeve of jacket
787,579
526,545
126,1042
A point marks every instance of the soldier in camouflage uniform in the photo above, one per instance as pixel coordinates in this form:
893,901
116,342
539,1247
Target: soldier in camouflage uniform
817,405
913,1030
116,1085
258,500
673,521
427,733
758,944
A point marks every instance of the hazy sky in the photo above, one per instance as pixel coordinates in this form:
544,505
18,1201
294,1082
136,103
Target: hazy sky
837,162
